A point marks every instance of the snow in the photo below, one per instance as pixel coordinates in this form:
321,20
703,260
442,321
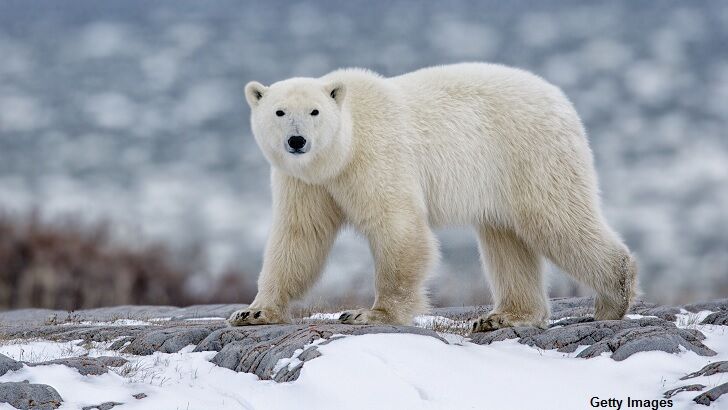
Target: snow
39,350
402,371
293,361
326,316
690,320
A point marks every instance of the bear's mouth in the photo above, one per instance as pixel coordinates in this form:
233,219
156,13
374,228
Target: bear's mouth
297,151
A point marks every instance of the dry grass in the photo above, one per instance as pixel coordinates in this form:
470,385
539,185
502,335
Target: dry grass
461,327
689,321
69,265
32,354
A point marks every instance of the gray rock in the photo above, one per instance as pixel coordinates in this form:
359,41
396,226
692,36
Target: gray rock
664,337
560,308
7,364
217,339
257,349
575,308
86,333
99,333
572,321
112,361
668,313
139,396
106,314
486,338
622,338
571,307
584,306
689,387
118,344
717,318
206,311
569,337
715,305
109,314
87,365
24,395
29,316
103,406
233,344
711,395
709,370
169,340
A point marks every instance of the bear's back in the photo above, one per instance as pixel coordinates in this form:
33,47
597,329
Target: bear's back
466,131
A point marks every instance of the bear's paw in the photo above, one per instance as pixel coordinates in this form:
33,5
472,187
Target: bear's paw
364,317
255,316
496,320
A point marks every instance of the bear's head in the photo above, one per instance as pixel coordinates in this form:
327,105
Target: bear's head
301,125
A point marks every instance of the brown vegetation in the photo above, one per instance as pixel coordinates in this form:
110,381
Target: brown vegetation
70,265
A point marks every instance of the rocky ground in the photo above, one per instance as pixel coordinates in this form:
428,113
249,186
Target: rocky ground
143,330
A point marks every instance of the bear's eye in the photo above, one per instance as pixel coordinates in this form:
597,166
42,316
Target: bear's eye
280,113
314,113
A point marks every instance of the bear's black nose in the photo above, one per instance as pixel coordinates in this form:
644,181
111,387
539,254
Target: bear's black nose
296,142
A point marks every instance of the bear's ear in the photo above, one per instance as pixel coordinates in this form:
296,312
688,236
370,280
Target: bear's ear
254,92
337,91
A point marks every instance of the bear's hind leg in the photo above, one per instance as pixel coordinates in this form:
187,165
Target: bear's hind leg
516,281
591,253
614,302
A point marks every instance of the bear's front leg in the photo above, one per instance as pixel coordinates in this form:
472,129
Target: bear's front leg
516,280
305,223
404,249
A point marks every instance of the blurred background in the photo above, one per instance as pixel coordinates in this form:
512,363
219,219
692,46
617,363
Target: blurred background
128,173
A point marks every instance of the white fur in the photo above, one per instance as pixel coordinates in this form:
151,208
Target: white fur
489,146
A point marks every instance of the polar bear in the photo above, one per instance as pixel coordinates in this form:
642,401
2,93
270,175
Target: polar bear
489,146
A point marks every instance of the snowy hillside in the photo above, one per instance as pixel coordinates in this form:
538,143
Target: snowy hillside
171,358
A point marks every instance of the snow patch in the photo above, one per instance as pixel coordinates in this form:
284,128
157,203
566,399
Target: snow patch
326,316
293,361
411,371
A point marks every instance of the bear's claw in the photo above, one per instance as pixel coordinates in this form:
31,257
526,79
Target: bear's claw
364,317
488,323
495,321
248,316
